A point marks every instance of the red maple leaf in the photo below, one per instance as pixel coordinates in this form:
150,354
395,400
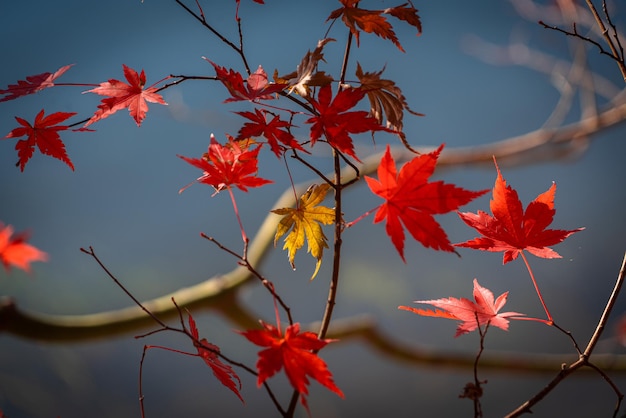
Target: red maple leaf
32,84
45,134
256,88
209,353
274,131
293,351
511,229
335,122
233,164
373,21
16,252
410,200
473,314
121,96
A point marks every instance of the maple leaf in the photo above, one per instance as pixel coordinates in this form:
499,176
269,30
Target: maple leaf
209,353
32,84
473,314
256,88
305,220
373,21
121,96
233,164
511,229
385,98
16,252
273,131
45,134
293,351
410,200
335,122
306,75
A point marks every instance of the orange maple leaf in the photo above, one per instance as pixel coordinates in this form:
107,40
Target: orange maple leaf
373,21
16,252
511,229
121,96
473,314
306,74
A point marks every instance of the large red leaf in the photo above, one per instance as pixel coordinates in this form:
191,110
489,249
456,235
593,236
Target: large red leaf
373,21
411,201
511,229
45,134
131,96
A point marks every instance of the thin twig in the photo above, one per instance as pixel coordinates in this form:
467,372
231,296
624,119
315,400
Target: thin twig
584,359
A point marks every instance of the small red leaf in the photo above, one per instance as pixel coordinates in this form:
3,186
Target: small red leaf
256,88
335,122
473,314
32,84
233,164
275,131
44,133
209,353
16,252
131,96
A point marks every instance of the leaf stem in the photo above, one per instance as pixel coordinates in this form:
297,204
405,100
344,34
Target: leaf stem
244,237
532,277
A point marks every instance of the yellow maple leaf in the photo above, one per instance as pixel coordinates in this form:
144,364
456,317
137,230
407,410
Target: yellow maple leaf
305,222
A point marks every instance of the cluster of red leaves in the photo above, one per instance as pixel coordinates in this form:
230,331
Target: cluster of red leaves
411,200
14,251
44,132
233,164
484,311
511,229
296,352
